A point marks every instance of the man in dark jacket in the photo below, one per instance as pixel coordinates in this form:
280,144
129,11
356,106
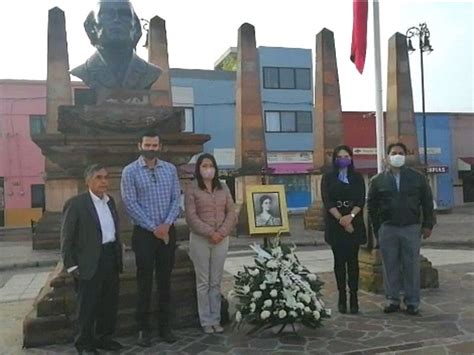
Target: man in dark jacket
92,253
400,206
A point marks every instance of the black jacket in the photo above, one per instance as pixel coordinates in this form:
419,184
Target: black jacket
332,191
413,204
81,235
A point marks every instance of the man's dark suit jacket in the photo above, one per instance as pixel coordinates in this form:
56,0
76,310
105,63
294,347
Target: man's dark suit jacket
81,235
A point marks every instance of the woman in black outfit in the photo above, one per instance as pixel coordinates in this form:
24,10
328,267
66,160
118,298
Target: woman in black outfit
343,194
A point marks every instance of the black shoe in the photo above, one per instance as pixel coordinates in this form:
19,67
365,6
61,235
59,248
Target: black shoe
354,302
168,336
391,308
144,339
109,344
342,302
412,311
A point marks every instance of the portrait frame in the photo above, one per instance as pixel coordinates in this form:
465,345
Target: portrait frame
275,217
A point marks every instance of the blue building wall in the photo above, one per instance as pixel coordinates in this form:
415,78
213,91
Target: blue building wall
439,136
287,99
214,104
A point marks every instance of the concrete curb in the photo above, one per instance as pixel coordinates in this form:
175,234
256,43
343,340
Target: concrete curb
28,264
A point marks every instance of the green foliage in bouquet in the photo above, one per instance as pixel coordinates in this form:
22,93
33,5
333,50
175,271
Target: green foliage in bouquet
278,290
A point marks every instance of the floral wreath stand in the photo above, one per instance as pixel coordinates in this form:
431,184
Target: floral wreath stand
278,292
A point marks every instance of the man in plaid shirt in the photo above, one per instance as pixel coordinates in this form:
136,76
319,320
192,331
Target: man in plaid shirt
151,195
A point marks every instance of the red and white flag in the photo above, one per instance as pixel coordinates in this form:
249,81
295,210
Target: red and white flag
359,33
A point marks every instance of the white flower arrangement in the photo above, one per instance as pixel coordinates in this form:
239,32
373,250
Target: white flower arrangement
278,290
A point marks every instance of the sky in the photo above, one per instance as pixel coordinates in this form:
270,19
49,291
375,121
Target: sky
199,32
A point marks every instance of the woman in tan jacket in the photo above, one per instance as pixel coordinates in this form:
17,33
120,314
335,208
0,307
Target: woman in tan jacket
210,214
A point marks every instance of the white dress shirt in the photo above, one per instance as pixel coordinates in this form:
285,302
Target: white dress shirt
106,220
107,225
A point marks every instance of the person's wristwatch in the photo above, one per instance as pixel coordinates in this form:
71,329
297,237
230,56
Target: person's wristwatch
353,215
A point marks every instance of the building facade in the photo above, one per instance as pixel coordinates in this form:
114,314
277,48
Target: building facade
208,97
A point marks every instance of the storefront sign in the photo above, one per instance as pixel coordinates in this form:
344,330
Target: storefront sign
437,169
290,157
373,151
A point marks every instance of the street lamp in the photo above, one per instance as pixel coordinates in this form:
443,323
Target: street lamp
423,34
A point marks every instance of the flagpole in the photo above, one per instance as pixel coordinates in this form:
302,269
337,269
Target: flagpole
379,122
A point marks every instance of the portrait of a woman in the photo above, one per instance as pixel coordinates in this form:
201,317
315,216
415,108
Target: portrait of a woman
267,216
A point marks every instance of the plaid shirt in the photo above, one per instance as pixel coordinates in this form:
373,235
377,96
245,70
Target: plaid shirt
151,195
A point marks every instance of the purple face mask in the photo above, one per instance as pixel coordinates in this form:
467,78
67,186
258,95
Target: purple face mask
343,162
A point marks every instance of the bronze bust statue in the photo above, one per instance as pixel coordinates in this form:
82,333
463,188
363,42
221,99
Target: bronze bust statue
114,29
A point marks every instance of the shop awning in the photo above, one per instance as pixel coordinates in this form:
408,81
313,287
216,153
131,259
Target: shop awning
291,168
466,164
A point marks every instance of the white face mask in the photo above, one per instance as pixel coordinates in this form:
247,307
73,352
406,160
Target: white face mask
397,160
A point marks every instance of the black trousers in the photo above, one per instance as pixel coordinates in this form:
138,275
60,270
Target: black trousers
346,262
97,301
153,255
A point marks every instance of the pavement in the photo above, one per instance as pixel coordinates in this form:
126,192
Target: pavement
445,326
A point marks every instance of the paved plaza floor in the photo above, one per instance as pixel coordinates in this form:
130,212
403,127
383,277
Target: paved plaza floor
445,325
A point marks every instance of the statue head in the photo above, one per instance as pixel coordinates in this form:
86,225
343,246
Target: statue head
113,24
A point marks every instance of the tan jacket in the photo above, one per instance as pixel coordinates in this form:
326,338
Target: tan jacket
207,212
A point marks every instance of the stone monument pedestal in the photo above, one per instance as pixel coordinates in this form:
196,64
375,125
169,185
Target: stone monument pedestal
371,272
51,321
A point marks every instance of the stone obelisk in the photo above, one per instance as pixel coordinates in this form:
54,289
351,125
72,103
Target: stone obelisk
327,118
58,188
250,149
158,55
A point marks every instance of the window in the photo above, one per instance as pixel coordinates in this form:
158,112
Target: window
288,121
188,119
286,78
37,124
270,78
272,121
304,121
37,196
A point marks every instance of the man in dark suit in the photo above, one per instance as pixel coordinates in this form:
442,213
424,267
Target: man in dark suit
92,253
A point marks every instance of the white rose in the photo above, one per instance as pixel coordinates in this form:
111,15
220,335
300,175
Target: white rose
312,277
245,289
273,293
307,309
282,314
300,305
263,286
254,272
257,294
306,298
238,317
268,303
293,314
318,306
265,314
272,264
252,307
316,315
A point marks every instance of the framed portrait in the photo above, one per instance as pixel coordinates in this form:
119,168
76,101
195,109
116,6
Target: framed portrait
266,208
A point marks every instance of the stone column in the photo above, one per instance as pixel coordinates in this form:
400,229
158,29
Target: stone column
158,55
400,122
58,188
250,149
328,126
